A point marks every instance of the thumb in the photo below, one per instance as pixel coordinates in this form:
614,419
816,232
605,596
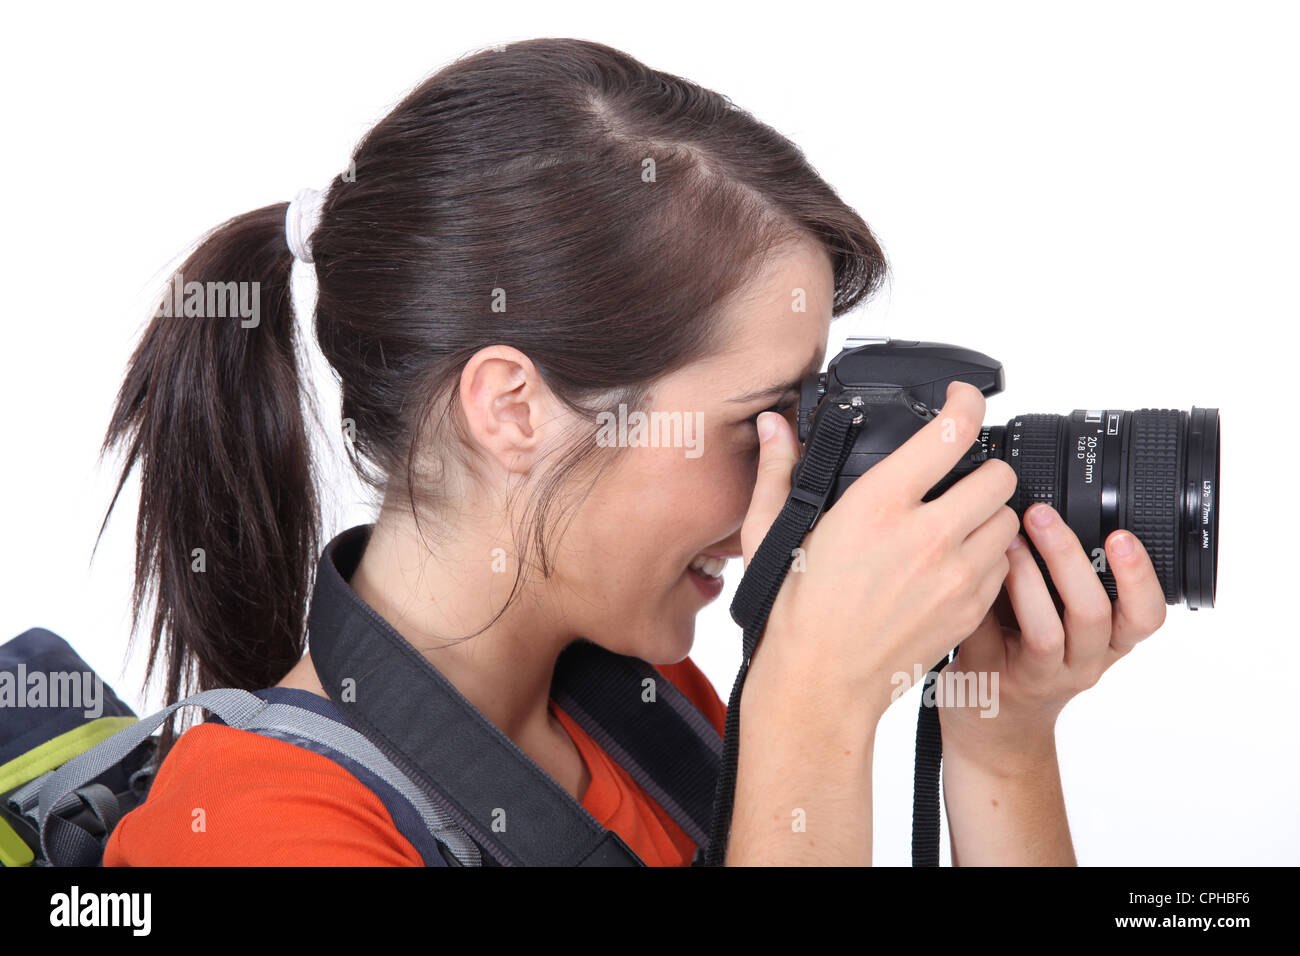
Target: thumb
778,450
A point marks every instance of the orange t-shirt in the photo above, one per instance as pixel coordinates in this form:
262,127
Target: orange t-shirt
227,797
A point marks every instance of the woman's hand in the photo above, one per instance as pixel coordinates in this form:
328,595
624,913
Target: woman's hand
1050,658
888,581
1001,781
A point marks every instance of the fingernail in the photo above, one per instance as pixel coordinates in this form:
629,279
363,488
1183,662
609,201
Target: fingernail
766,426
1015,543
1122,545
1040,515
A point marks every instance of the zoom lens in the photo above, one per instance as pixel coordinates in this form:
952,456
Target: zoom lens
1153,471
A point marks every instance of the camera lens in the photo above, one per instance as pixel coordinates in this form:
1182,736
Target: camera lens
1154,471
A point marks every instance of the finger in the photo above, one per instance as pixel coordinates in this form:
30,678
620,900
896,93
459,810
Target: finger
916,466
1042,633
984,552
1087,605
778,450
1140,609
990,587
987,544
969,503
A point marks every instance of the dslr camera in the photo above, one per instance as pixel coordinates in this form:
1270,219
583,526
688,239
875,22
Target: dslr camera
1153,471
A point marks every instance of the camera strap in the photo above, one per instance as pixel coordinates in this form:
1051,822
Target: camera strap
812,485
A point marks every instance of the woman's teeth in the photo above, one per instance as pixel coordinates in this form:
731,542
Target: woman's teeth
709,567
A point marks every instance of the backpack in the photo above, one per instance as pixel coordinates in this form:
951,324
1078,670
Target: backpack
67,778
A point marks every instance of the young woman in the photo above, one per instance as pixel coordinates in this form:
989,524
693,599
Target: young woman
533,237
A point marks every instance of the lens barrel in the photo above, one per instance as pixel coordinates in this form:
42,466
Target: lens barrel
1153,471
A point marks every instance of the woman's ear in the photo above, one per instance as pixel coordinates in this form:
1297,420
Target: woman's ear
505,402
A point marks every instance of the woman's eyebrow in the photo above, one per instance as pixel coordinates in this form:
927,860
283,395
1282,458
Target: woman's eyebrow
780,388
772,391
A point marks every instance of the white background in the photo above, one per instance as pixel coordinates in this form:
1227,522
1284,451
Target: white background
1102,196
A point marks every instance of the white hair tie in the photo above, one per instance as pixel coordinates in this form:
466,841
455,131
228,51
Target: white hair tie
300,222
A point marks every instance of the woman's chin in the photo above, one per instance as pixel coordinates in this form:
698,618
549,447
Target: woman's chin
665,638
672,644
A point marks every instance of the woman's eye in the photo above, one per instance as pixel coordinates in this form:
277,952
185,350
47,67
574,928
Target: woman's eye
779,409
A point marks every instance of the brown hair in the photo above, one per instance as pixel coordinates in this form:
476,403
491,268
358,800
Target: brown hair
619,206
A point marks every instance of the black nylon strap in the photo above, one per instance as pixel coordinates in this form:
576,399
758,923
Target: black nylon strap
925,782
812,484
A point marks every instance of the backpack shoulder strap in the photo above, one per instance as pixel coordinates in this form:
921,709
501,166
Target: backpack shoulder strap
499,796
66,843
647,725
312,722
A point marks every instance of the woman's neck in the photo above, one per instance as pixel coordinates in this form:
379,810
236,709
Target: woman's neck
505,672
435,592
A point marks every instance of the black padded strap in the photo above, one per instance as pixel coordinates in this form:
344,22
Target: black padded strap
662,740
507,804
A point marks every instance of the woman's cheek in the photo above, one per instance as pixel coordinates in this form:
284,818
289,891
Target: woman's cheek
731,481
744,467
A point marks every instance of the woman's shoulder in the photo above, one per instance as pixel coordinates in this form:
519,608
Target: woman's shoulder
229,797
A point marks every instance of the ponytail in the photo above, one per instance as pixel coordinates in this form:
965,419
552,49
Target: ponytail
228,529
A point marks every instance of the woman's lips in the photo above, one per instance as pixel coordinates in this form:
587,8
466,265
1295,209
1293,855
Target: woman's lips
708,586
705,571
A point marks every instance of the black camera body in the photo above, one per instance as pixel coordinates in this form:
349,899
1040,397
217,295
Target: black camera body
1152,471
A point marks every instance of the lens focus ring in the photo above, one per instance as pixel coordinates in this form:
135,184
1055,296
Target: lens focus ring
1153,489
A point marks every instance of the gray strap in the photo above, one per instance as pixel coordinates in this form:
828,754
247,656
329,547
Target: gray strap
312,726
23,800
103,805
65,843
229,704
